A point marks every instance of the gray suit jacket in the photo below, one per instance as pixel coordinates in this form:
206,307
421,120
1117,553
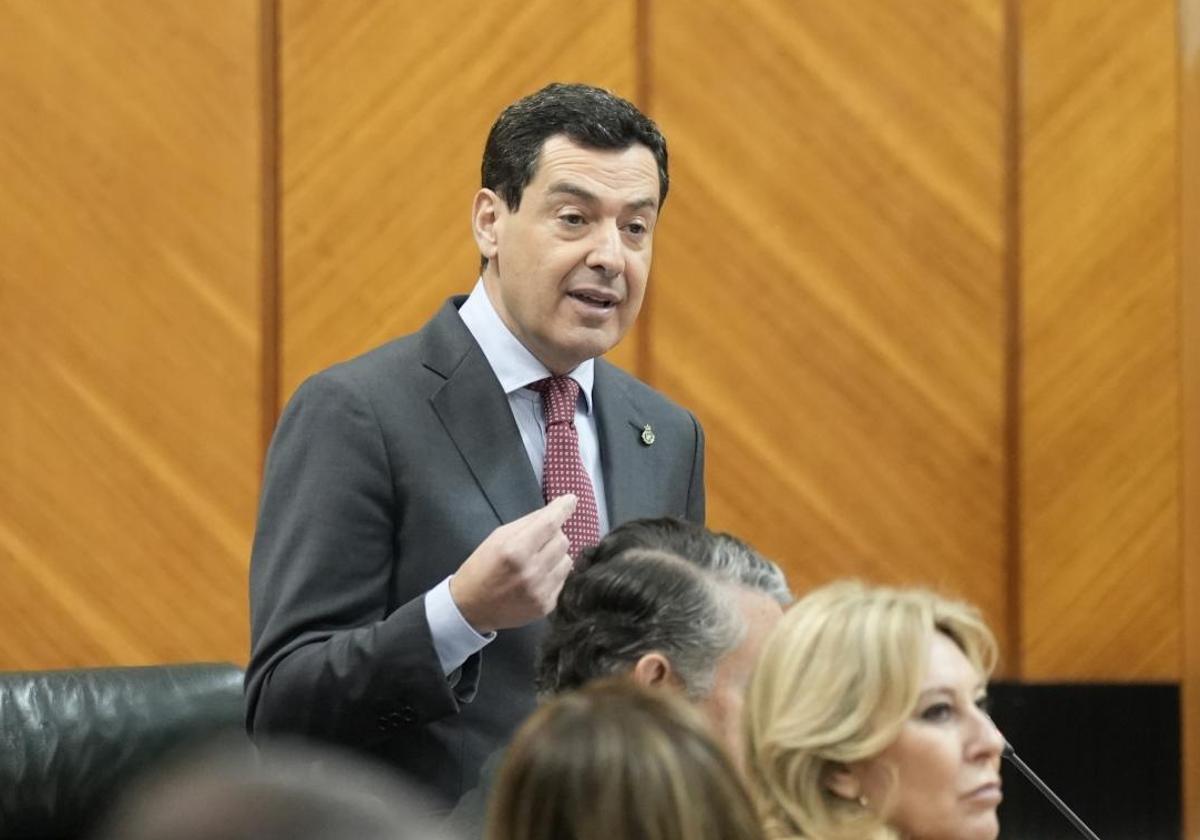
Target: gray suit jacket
384,474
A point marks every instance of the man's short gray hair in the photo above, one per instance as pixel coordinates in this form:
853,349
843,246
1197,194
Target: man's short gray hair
733,561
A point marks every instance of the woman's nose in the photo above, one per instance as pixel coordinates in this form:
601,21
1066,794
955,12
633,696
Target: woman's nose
988,738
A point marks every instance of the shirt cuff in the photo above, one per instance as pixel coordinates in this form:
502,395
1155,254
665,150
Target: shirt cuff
454,638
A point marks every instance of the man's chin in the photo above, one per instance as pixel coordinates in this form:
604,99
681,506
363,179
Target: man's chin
583,344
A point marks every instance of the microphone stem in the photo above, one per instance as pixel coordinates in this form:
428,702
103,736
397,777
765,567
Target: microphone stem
1028,773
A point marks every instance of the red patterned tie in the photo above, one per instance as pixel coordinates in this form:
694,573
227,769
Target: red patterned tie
563,471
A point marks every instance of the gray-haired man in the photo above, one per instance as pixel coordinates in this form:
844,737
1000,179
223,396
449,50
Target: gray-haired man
669,603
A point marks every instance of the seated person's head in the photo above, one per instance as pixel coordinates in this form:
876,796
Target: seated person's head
864,718
669,603
614,761
285,791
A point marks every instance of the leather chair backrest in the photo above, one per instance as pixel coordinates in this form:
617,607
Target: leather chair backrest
71,739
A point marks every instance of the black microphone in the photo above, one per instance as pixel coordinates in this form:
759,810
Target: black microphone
1044,789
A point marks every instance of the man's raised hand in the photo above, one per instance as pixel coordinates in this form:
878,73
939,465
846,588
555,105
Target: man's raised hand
514,576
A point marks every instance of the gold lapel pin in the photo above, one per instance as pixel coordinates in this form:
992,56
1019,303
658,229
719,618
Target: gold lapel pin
647,435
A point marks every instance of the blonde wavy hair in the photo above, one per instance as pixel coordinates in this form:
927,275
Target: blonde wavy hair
837,679
613,760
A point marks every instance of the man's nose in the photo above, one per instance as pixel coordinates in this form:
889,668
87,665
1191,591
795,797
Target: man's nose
607,253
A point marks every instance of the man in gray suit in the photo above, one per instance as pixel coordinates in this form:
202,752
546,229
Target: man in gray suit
403,559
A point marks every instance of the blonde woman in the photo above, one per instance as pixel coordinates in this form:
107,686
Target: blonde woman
614,761
865,719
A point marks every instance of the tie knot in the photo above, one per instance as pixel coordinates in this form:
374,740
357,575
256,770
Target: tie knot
559,395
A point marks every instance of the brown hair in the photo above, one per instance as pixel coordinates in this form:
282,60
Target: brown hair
613,761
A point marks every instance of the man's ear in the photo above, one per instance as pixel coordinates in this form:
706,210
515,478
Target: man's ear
843,782
486,222
654,670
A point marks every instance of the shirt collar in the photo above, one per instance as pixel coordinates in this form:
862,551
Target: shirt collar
511,360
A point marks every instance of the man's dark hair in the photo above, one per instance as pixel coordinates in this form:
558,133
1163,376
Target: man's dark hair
586,115
653,585
642,601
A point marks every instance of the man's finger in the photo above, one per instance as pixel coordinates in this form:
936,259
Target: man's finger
555,511
533,530
557,576
552,551
546,521
554,515
558,511
561,508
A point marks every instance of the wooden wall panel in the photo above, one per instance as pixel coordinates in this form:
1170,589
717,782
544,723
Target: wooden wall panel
1189,276
1100,397
385,109
129,449
829,291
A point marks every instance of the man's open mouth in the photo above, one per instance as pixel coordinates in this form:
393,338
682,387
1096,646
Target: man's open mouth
594,299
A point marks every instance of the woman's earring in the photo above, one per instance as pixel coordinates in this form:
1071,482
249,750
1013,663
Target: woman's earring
862,800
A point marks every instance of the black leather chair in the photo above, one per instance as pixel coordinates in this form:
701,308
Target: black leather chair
71,740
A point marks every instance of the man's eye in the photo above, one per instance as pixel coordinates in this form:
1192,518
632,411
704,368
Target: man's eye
937,713
572,219
636,228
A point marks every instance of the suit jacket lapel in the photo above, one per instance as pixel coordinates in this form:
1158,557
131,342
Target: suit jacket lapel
628,482
475,413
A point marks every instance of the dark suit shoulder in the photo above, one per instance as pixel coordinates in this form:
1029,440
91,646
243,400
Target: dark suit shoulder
658,405
427,355
386,360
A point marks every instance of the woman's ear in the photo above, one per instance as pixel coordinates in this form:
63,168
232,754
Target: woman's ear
486,222
843,782
654,670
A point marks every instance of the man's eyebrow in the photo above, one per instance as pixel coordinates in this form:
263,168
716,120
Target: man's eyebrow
590,197
639,203
571,189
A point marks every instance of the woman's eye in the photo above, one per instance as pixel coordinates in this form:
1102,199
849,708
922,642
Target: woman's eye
937,713
985,705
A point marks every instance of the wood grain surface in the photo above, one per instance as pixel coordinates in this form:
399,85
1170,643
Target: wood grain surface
922,275
384,117
834,274
829,291
1189,114
1100,464
128,310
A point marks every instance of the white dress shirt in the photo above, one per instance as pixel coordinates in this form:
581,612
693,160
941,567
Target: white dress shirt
515,367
